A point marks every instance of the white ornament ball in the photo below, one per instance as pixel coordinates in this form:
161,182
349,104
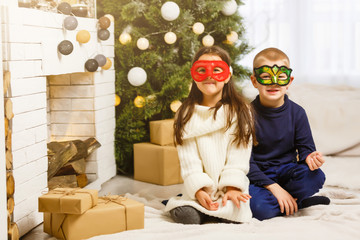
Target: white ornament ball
232,36
137,76
125,38
142,43
198,28
111,17
229,8
170,37
208,41
231,70
170,11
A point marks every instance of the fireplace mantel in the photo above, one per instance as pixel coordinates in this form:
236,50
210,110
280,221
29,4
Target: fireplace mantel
29,43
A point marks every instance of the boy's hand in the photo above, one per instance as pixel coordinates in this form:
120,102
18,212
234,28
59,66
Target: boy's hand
205,200
286,202
235,195
314,160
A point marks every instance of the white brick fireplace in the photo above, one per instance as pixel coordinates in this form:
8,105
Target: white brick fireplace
54,98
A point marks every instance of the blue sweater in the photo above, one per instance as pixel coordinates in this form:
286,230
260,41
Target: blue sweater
282,133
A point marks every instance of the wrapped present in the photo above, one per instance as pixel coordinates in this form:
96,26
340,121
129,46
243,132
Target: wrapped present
112,214
156,164
68,200
161,132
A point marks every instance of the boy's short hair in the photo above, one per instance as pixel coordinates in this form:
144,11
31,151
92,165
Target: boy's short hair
271,54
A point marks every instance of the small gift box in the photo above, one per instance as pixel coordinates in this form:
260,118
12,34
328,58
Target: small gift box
112,214
156,164
161,132
68,200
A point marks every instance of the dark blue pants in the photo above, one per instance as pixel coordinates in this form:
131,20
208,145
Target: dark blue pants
295,178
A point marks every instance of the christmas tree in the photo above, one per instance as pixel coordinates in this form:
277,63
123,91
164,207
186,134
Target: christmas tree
157,40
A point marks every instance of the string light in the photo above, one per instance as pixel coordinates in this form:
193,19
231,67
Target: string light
170,37
125,38
198,28
208,41
142,43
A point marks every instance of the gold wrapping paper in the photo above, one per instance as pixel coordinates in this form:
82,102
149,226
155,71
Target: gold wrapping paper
161,132
156,164
112,214
68,200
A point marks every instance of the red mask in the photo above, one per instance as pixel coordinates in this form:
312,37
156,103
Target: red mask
203,69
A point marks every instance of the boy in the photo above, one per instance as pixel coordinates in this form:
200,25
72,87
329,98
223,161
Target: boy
284,166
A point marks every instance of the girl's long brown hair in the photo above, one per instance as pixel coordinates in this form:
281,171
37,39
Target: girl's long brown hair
245,130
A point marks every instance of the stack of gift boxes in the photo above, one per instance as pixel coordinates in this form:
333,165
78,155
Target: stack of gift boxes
74,213
157,162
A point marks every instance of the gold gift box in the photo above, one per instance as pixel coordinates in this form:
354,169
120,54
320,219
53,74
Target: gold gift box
68,200
112,214
161,132
156,164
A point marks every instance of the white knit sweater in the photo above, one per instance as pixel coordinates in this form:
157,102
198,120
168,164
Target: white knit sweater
210,160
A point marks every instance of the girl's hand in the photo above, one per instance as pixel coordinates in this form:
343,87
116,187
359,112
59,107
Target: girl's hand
286,202
235,195
314,160
205,200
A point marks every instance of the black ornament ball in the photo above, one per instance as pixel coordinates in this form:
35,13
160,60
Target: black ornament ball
103,34
91,65
65,47
64,8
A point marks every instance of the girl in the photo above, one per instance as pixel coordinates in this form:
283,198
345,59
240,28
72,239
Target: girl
213,132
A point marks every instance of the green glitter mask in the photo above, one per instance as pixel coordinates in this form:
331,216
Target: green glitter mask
266,75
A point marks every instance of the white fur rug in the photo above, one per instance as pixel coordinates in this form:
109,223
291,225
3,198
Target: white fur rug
339,220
